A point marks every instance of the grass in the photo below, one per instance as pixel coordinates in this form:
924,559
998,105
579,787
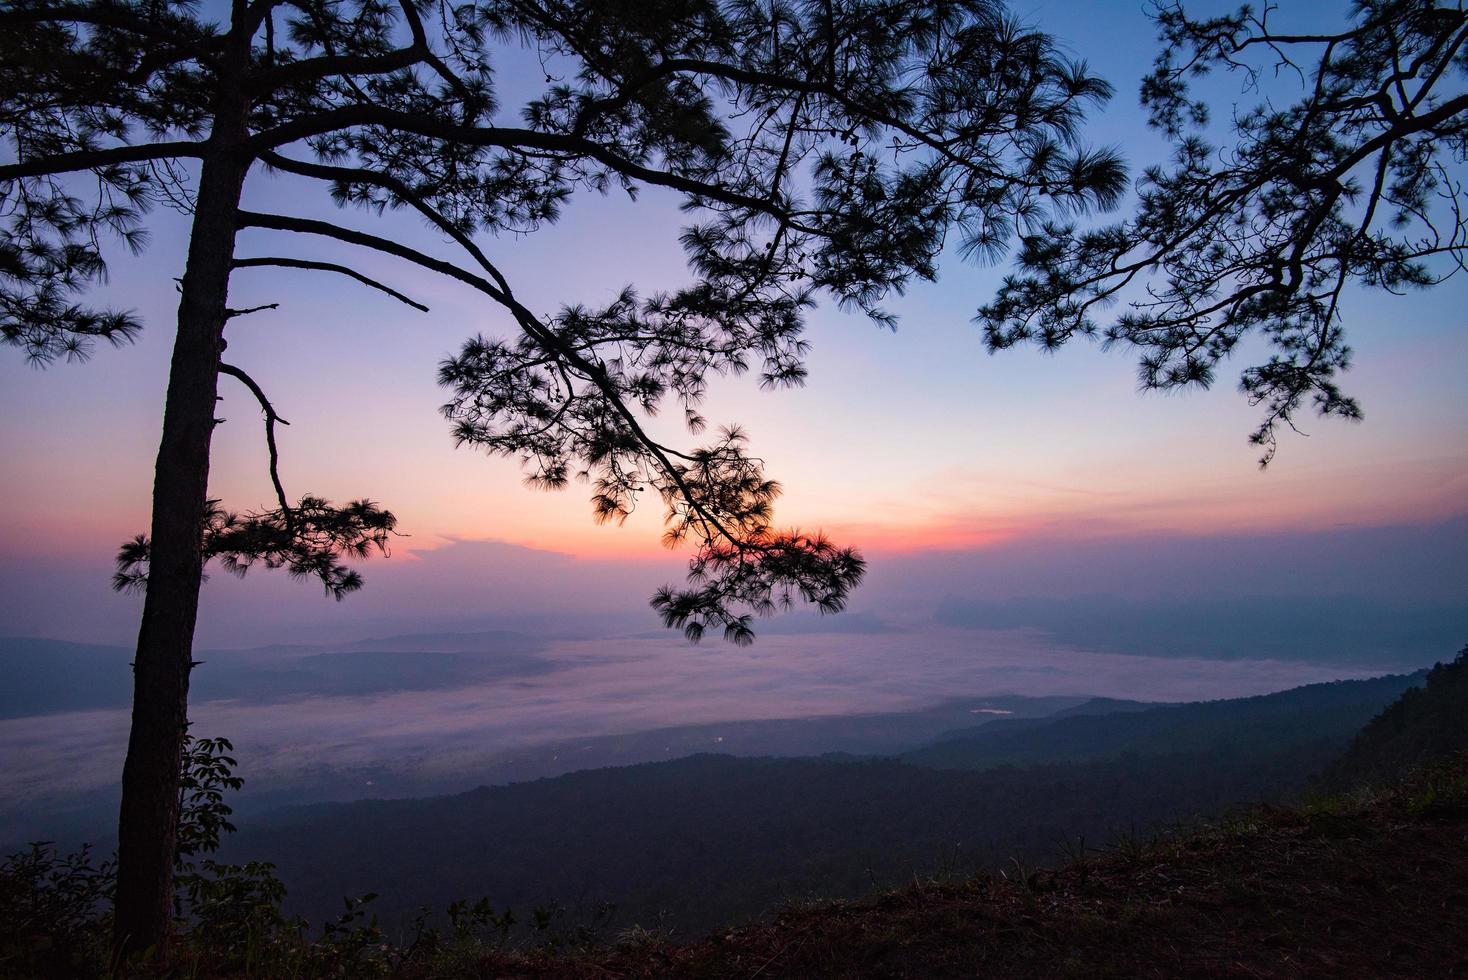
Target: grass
1374,884
1369,884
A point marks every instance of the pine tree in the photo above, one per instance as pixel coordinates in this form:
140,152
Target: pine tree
1356,181
821,148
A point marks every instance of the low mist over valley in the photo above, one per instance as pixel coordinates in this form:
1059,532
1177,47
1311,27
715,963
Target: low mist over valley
431,713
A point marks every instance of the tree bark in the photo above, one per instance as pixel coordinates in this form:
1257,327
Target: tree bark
148,822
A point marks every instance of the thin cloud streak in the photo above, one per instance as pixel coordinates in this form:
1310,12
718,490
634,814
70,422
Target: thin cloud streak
471,585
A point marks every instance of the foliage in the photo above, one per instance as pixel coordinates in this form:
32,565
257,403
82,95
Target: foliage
1351,183
53,919
55,909
229,908
307,540
820,149
203,815
1425,725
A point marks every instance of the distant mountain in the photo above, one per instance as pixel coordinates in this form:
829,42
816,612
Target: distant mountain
50,676
1423,726
46,676
868,734
1107,706
496,641
711,839
1025,722
1324,629
1229,728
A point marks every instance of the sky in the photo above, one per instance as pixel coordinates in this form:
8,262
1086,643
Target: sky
957,473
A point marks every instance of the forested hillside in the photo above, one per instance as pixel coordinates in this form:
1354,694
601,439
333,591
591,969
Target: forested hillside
1362,887
708,840
1424,725
1234,728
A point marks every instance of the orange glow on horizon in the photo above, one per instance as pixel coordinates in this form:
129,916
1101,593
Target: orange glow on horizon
955,510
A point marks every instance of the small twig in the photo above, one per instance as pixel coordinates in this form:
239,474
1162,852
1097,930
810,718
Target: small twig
231,314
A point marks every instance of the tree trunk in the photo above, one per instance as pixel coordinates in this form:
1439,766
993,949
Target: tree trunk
148,821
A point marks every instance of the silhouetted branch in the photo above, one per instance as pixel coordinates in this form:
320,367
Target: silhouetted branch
231,314
314,69
310,544
345,176
287,263
271,418
1265,233
348,117
62,163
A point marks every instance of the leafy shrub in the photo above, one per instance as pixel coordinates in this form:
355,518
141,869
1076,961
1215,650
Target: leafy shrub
55,912
56,909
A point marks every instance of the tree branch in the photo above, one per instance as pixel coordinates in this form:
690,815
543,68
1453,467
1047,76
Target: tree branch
325,229
287,263
270,419
314,69
63,163
113,15
405,194
231,314
524,317
505,138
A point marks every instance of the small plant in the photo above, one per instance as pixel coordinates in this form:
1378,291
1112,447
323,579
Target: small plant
203,814
1077,856
352,944
228,909
234,910
54,912
479,923
638,936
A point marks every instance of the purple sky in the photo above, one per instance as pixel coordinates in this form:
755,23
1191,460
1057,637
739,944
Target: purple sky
959,473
